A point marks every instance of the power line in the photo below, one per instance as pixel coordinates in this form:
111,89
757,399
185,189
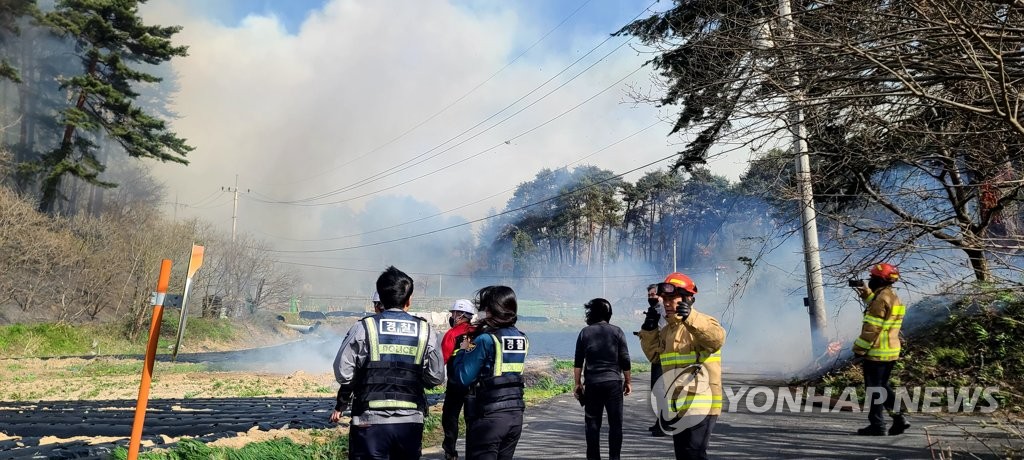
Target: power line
489,149
509,211
212,205
451,104
613,144
460,275
403,165
203,202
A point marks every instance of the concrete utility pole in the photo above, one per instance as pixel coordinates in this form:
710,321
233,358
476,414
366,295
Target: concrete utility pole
815,300
234,208
674,269
177,204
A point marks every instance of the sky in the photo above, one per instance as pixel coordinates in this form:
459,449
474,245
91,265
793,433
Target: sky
319,108
342,120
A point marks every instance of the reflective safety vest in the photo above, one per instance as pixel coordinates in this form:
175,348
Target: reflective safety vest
392,378
678,360
880,332
502,389
681,345
686,362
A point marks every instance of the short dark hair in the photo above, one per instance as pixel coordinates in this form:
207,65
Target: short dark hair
652,286
600,310
500,304
394,288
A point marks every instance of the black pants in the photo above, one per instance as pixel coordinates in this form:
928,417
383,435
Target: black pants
692,443
876,382
454,403
656,373
494,435
601,397
396,441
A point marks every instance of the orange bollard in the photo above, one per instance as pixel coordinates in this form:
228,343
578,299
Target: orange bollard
147,368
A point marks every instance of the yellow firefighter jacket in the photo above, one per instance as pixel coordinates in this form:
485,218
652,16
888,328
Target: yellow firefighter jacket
880,334
699,339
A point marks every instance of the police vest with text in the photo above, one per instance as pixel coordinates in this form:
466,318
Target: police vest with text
502,389
393,377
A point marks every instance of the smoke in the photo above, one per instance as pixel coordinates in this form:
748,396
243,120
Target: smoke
431,260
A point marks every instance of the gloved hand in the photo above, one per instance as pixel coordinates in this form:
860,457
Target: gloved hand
651,320
684,308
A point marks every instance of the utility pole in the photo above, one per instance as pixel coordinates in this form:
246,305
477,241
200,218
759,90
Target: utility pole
815,300
604,280
176,205
674,269
234,208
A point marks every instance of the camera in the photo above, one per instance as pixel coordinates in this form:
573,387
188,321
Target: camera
856,283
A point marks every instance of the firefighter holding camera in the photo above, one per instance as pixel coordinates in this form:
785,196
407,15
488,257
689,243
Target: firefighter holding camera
689,343
879,346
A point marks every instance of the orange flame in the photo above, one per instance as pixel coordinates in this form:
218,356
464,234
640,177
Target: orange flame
834,348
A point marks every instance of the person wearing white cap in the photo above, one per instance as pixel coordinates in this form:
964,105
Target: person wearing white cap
377,306
462,312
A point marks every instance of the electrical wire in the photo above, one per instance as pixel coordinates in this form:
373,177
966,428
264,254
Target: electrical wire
203,201
482,152
508,211
692,270
451,104
212,205
405,164
369,232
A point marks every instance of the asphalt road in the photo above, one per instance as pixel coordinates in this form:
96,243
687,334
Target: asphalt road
555,430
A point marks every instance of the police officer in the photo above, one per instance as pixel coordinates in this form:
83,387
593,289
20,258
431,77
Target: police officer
492,368
384,365
340,403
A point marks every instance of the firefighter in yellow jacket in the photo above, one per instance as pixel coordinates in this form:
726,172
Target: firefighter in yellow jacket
689,347
879,345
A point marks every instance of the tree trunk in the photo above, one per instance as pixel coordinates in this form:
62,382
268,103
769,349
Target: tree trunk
979,264
51,183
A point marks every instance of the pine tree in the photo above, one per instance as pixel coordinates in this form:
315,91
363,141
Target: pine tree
12,11
110,37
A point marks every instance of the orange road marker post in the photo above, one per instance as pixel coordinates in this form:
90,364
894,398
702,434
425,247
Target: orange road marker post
147,368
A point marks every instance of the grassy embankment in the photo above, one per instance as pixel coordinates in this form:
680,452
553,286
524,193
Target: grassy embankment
49,339
979,345
110,377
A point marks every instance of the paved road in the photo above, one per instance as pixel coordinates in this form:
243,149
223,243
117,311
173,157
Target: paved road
555,430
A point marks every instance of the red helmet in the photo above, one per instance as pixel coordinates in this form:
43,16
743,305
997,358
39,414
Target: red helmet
677,281
886,272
